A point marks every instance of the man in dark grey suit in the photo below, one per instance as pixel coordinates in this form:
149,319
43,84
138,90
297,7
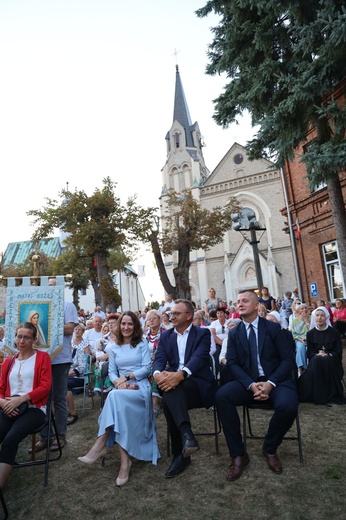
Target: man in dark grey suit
182,372
260,360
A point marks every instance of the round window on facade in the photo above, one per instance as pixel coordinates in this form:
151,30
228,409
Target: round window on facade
238,158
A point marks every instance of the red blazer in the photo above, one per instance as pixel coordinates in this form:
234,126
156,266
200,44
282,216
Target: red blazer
42,379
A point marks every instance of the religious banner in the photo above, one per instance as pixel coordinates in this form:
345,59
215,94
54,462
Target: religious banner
43,306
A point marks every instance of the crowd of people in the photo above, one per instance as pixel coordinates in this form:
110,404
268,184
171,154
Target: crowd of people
159,361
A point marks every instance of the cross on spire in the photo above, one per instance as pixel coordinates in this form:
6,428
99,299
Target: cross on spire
175,53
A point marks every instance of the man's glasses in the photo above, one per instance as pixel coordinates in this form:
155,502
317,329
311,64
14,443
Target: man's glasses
25,338
176,314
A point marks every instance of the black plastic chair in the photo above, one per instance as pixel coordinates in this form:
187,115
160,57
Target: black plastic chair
251,435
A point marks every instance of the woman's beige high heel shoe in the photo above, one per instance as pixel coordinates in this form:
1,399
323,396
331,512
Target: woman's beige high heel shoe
122,481
91,460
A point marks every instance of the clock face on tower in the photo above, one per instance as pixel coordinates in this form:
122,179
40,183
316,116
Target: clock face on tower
238,158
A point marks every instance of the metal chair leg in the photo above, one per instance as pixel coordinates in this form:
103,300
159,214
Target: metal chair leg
3,503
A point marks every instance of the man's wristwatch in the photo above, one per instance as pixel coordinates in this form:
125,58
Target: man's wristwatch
127,377
185,374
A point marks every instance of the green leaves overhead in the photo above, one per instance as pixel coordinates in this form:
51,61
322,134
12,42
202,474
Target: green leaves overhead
282,60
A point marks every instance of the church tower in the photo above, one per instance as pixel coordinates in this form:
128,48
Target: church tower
185,166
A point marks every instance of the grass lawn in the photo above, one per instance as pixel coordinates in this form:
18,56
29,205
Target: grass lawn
312,490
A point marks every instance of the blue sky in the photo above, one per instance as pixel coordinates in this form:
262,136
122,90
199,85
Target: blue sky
87,92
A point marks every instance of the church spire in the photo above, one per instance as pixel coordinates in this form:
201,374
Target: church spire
181,111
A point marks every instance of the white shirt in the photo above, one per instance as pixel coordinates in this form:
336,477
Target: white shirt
216,325
91,339
182,341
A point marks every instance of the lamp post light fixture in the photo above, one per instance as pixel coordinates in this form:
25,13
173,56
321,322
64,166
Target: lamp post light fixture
245,221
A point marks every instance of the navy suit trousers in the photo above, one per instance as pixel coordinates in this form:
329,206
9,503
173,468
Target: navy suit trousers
283,399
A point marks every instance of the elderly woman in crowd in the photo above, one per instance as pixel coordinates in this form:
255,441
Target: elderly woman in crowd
127,418
300,327
321,383
152,336
25,383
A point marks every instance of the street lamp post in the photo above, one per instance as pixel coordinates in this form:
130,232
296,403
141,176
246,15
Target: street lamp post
244,221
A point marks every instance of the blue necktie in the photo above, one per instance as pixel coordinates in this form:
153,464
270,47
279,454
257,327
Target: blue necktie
253,353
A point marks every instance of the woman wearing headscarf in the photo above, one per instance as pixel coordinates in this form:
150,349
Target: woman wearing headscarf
321,383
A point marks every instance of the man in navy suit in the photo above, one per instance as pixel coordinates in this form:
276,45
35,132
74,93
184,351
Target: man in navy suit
182,372
260,360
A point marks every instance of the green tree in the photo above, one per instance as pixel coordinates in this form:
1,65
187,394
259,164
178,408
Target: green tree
26,268
186,227
101,236
283,60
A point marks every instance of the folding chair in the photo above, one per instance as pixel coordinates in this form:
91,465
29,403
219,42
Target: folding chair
104,375
250,435
86,384
4,506
216,420
49,422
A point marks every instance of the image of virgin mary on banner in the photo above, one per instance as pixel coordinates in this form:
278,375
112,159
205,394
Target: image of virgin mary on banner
43,306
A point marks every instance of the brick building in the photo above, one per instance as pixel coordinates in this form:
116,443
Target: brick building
310,220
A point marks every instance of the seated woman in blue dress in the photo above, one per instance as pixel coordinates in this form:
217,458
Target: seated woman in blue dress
321,383
127,417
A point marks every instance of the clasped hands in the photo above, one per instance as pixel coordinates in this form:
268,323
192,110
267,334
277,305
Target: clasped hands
167,381
121,383
261,390
9,405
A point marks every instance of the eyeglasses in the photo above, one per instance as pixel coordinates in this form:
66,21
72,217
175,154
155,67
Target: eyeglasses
223,329
26,338
176,314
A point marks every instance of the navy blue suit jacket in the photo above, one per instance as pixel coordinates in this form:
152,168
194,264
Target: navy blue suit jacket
197,359
275,353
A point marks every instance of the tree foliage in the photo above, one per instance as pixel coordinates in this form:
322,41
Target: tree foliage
26,268
283,59
187,227
187,223
101,232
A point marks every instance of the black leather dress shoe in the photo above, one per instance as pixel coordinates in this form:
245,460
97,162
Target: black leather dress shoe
177,466
190,445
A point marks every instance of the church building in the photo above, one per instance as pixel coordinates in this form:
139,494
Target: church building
257,185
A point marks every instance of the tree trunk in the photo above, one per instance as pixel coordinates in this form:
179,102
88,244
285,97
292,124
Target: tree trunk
168,287
181,274
75,297
337,207
103,278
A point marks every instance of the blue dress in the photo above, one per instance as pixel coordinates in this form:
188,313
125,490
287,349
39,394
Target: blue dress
130,413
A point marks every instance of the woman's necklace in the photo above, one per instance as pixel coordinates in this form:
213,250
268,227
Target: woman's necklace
21,363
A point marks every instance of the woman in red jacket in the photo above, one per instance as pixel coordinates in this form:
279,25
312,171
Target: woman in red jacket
25,383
